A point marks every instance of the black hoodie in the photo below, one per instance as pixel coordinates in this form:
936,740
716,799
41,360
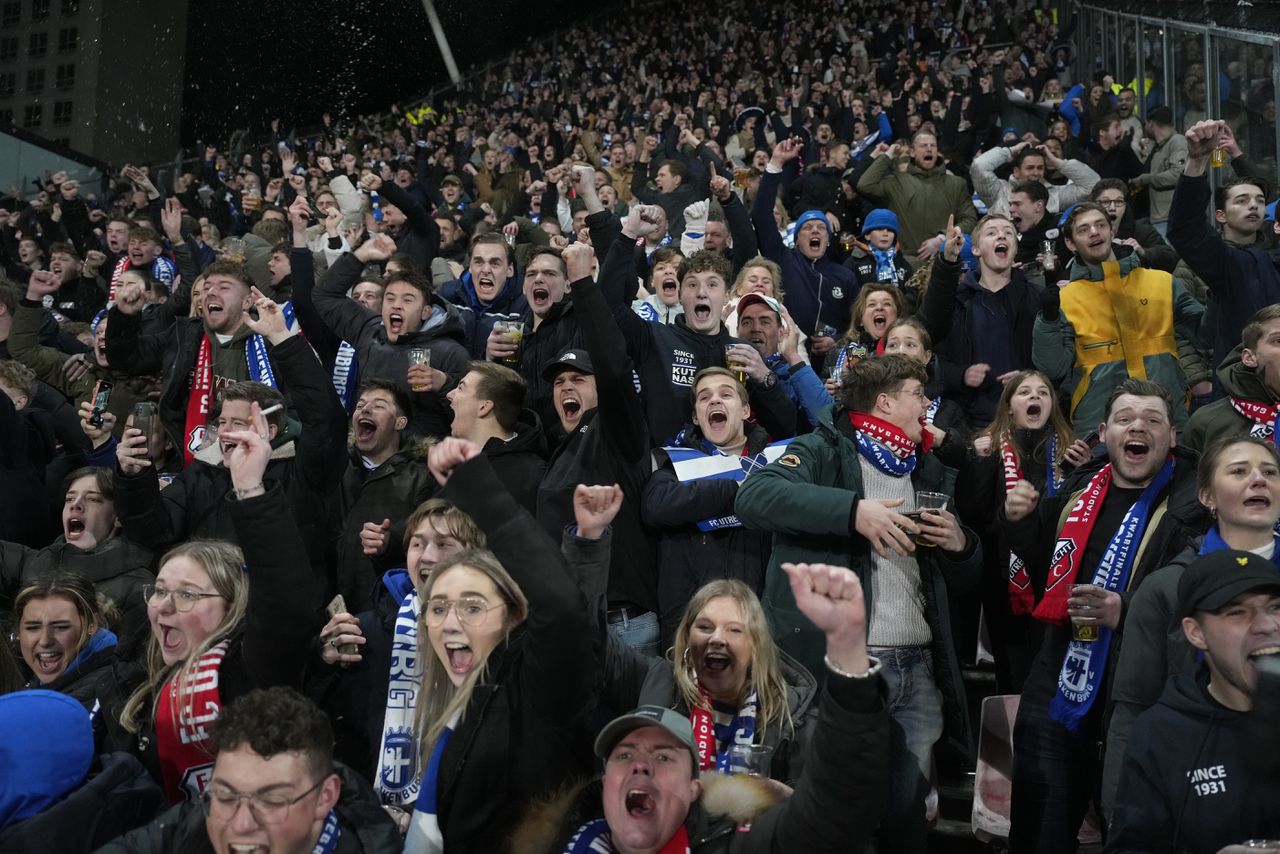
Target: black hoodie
1185,785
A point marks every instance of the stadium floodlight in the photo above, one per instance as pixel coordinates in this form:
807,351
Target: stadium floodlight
445,51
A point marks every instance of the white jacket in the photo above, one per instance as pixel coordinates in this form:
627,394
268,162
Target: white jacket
994,191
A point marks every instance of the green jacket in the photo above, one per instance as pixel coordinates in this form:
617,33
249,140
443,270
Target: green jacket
923,199
806,499
1220,418
1118,320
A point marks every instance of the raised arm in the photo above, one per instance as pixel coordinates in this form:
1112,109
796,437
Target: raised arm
346,318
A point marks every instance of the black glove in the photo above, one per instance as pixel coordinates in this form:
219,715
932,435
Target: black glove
1050,302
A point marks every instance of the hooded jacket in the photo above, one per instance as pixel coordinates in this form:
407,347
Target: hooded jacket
806,500
688,557
1242,279
419,236
38,775
442,332
521,461
365,828
922,199
479,317
817,293
1186,784
1118,320
1220,418
832,810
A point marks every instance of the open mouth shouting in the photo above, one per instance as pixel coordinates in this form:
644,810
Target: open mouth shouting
570,409
1002,250
74,529
486,287
1258,501
716,662
137,257
668,287
214,310
172,642
1263,652
461,658
879,324
540,298
366,429
1136,451
717,422
49,663
639,802
395,324
1035,414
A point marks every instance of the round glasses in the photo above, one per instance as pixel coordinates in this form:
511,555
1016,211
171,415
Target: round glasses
183,600
471,611
222,802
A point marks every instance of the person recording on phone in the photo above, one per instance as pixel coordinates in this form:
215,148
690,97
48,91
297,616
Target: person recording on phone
302,460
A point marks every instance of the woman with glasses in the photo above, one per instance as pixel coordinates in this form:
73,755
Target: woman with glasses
213,635
509,671
66,645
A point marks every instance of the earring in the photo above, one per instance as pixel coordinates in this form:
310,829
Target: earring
1213,512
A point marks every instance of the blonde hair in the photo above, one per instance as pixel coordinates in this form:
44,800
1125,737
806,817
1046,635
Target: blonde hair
224,564
766,669
439,700
1002,426
760,261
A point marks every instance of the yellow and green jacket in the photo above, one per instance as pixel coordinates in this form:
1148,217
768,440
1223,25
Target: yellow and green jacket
1118,320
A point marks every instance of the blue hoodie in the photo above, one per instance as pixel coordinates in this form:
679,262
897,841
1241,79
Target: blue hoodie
46,745
478,317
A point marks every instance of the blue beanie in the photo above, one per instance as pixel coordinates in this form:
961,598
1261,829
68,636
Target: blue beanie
807,216
880,218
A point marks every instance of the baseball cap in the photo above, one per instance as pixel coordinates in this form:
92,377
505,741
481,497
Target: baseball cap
569,360
1213,580
451,179
752,299
668,719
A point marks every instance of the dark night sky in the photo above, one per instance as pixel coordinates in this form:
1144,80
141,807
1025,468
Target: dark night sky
249,60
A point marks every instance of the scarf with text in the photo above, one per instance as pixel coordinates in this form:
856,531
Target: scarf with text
327,842
885,446
594,837
1263,416
740,729
199,398
346,375
1022,599
707,462
886,271
1081,675
399,778
183,717
425,835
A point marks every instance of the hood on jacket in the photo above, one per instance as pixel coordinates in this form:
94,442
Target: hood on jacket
1240,380
464,290
1126,257
529,438
34,779
398,583
445,322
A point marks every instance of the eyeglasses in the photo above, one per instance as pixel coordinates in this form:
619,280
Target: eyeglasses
472,611
1113,203
183,600
222,802
917,393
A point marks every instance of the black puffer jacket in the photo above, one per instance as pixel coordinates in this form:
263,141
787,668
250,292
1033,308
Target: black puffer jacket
303,464
365,827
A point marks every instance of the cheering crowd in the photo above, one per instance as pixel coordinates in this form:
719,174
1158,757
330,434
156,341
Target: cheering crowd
634,451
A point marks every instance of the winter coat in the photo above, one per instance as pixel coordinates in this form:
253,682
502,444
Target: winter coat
1242,279
922,199
521,461
995,191
46,362
807,500
118,797
365,828
302,461
946,311
831,811
1118,320
1220,418
442,333
542,344
1186,784
1162,171
391,491
667,357
609,445
118,568
526,731
102,683
27,446
478,318
419,236
862,262
819,294
688,557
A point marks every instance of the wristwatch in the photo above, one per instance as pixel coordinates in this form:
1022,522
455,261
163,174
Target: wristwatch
770,380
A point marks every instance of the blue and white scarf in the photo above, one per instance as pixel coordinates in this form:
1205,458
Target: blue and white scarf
886,271
329,835
1082,668
346,375
255,351
424,836
399,778
710,463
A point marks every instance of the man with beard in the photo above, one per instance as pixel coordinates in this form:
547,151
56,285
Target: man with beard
923,197
690,496
842,493
1029,166
413,317
605,441
666,358
982,323
383,481
1114,320
488,292
1087,550
819,292
48,363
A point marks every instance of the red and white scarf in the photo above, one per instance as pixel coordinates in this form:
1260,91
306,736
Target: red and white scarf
1068,552
1263,416
198,401
183,718
1022,599
890,435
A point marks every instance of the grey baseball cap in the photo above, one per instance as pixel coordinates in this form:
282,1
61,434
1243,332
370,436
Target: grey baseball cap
668,719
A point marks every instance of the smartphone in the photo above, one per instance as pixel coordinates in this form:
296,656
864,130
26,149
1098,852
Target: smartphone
338,605
1092,440
144,419
101,397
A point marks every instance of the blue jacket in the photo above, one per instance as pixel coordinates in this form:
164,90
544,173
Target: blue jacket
817,293
46,745
803,386
478,317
